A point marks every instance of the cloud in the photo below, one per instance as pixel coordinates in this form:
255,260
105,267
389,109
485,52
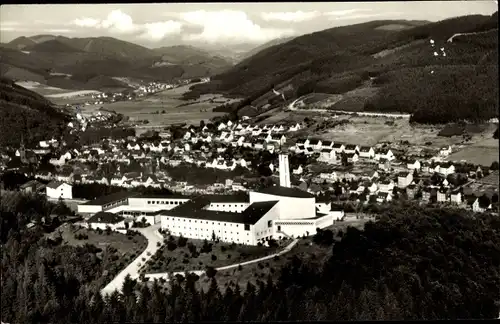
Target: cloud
86,22
159,30
297,16
58,31
229,26
343,13
364,16
121,23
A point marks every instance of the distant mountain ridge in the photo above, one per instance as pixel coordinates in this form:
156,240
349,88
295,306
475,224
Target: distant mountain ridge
35,57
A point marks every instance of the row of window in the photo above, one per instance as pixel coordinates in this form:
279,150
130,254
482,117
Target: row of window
201,229
294,223
209,236
247,227
164,202
230,205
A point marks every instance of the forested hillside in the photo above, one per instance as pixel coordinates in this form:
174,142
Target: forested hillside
402,67
24,113
412,263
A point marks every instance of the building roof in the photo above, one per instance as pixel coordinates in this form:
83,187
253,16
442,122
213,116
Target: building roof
286,192
365,149
194,209
350,147
227,198
105,218
30,183
111,198
55,184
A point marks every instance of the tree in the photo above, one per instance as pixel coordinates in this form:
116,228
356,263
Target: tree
344,159
210,272
494,166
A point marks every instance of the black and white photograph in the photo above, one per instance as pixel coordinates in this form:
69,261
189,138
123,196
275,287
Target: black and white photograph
249,162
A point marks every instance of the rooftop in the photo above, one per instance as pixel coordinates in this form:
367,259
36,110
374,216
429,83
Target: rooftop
286,192
105,218
111,198
194,209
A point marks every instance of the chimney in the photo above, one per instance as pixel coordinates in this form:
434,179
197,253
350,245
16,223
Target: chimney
284,171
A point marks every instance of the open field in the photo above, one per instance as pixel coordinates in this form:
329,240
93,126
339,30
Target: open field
40,88
176,109
476,155
72,94
181,258
121,242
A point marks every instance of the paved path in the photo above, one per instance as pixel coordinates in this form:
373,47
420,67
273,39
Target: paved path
153,236
164,275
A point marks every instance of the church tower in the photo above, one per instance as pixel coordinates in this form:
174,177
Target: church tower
284,171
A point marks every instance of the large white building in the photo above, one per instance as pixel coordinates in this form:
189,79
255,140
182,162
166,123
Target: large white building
275,212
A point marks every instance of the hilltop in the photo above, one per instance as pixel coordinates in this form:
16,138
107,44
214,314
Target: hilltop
262,47
388,65
28,114
37,58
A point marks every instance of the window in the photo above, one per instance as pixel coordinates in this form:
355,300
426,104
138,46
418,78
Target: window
247,227
269,223
236,225
149,202
207,222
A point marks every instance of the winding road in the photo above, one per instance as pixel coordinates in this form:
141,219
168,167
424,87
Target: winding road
154,237
164,275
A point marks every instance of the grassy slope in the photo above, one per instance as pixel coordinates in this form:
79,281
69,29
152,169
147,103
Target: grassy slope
22,110
343,59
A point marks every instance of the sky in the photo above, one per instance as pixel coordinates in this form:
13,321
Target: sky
155,25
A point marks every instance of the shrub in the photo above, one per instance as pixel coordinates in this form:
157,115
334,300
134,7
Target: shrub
260,265
148,254
229,256
240,267
214,257
210,272
143,259
182,241
185,261
171,246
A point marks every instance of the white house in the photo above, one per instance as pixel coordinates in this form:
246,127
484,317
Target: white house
404,179
57,189
221,126
328,154
295,127
351,148
445,151
366,152
298,170
338,147
327,145
315,144
384,154
386,185
446,169
352,157
413,165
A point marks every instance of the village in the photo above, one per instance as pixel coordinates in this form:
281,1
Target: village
241,154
